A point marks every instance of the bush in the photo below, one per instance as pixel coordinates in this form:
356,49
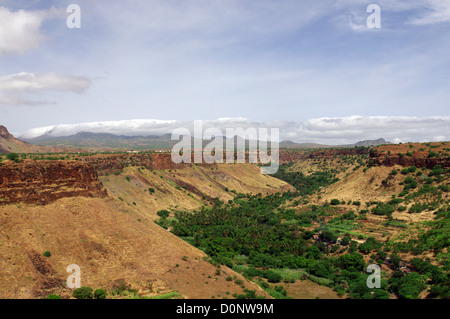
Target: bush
163,213
47,254
238,281
404,171
252,272
272,276
383,209
13,157
100,294
53,296
412,169
151,190
83,293
335,201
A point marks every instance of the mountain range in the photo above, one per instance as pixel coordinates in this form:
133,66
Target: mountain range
92,141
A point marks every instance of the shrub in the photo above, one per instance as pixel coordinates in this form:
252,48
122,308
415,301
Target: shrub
151,190
13,157
383,209
53,296
335,201
404,171
410,183
100,294
252,272
83,293
272,276
412,169
47,254
238,281
163,213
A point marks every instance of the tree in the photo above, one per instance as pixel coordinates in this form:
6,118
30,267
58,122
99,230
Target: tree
354,260
322,268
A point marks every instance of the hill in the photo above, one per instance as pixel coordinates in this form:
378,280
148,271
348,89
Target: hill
110,142
225,230
9,144
293,145
113,238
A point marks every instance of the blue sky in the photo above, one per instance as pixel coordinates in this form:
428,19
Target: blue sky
297,61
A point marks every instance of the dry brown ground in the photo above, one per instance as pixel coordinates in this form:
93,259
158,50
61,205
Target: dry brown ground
116,241
305,289
107,241
201,183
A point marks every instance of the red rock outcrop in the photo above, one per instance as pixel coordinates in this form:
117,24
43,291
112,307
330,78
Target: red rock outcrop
418,160
42,182
287,156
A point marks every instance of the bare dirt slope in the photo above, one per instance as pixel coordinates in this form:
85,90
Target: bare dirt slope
110,245
188,187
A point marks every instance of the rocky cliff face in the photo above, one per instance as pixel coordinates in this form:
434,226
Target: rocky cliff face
5,134
419,160
9,144
42,182
292,156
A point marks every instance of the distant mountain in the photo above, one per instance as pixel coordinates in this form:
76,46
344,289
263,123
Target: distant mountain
377,142
96,141
293,145
9,144
108,141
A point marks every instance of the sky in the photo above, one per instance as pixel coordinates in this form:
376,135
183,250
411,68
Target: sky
312,68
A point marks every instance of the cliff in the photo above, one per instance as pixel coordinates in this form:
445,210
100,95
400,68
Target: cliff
412,154
42,182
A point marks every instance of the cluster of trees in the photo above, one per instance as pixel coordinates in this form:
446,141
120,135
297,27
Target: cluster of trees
271,236
306,184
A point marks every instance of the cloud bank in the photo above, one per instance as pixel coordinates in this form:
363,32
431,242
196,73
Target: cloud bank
332,131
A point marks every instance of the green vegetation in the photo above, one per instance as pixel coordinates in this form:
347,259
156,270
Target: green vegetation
13,157
100,294
83,293
281,238
306,184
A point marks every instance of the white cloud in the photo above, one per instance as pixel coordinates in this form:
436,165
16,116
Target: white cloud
20,31
332,131
438,12
14,88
